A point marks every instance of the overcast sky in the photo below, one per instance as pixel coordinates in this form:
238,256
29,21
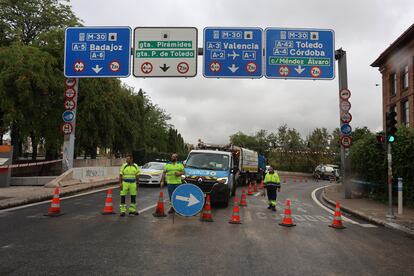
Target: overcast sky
213,109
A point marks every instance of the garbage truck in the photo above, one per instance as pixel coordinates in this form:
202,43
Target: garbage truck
218,170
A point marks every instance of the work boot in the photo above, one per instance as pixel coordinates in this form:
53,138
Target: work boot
171,211
133,213
122,214
274,208
269,207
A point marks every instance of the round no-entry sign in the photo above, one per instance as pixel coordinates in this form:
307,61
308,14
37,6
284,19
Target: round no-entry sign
345,94
346,141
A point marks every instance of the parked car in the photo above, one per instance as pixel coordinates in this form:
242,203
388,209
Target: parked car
151,173
326,171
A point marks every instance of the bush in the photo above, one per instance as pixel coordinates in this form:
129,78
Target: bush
369,163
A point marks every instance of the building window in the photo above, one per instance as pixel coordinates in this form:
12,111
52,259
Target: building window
404,77
405,113
393,84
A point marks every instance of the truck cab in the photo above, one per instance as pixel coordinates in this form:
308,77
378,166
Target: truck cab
212,171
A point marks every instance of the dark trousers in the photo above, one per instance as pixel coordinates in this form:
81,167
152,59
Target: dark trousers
271,194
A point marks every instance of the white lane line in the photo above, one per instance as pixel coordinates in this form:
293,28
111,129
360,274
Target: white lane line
368,225
147,208
48,201
326,208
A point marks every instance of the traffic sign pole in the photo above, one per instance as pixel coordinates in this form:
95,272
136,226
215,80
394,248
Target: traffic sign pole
69,139
340,55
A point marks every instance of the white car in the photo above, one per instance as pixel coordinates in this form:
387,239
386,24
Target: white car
151,173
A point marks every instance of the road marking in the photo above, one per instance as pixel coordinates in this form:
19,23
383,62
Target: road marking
256,194
62,198
7,246
147,208
326,208
368,225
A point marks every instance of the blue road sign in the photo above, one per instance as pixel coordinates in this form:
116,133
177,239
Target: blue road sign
346,129
187,200
233,53
68,116
299,53
96,52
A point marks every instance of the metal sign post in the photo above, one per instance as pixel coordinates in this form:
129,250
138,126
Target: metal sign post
390,209
340,55
69,125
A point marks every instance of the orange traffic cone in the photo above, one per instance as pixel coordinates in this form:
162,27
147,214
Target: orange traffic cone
159,211
108,209
243,201
300,179
294,179
287,218
337,221
206,213
54,210
235,216
306,179
249,191
255,187
261,185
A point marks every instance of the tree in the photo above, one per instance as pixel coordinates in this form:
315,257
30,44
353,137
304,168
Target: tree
29,21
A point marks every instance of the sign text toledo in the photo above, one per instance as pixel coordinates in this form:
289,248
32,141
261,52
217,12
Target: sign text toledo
300,53
96,52
165,52
232,53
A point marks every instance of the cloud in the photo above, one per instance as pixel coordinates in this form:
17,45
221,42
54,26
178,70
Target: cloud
213,109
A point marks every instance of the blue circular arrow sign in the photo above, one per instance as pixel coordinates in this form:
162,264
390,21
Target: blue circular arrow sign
346,129
68,116
187,200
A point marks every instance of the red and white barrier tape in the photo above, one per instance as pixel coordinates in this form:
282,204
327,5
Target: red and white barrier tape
29,164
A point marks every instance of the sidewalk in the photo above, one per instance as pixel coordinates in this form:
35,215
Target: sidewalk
20,195
370,210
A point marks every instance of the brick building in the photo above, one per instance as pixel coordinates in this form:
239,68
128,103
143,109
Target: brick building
396,64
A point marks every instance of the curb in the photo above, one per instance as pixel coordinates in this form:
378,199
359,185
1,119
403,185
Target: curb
371,219
47,197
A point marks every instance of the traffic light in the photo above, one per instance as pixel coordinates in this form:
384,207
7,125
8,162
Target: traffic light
391,129
380,141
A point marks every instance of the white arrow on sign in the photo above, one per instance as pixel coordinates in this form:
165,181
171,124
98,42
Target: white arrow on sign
191,200
299,69
233,68
234,55
97,69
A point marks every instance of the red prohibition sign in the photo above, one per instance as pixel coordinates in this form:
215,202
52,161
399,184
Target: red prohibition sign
251,67
79,66
69,104
146,67
183,67
70,82
114,66
315,71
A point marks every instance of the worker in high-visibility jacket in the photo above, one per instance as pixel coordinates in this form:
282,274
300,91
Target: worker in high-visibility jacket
128,179
172,175
272,184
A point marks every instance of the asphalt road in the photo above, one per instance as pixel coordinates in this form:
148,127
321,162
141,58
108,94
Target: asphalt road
84,242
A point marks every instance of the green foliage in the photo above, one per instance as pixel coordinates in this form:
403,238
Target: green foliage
287,150
369,162
110,116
